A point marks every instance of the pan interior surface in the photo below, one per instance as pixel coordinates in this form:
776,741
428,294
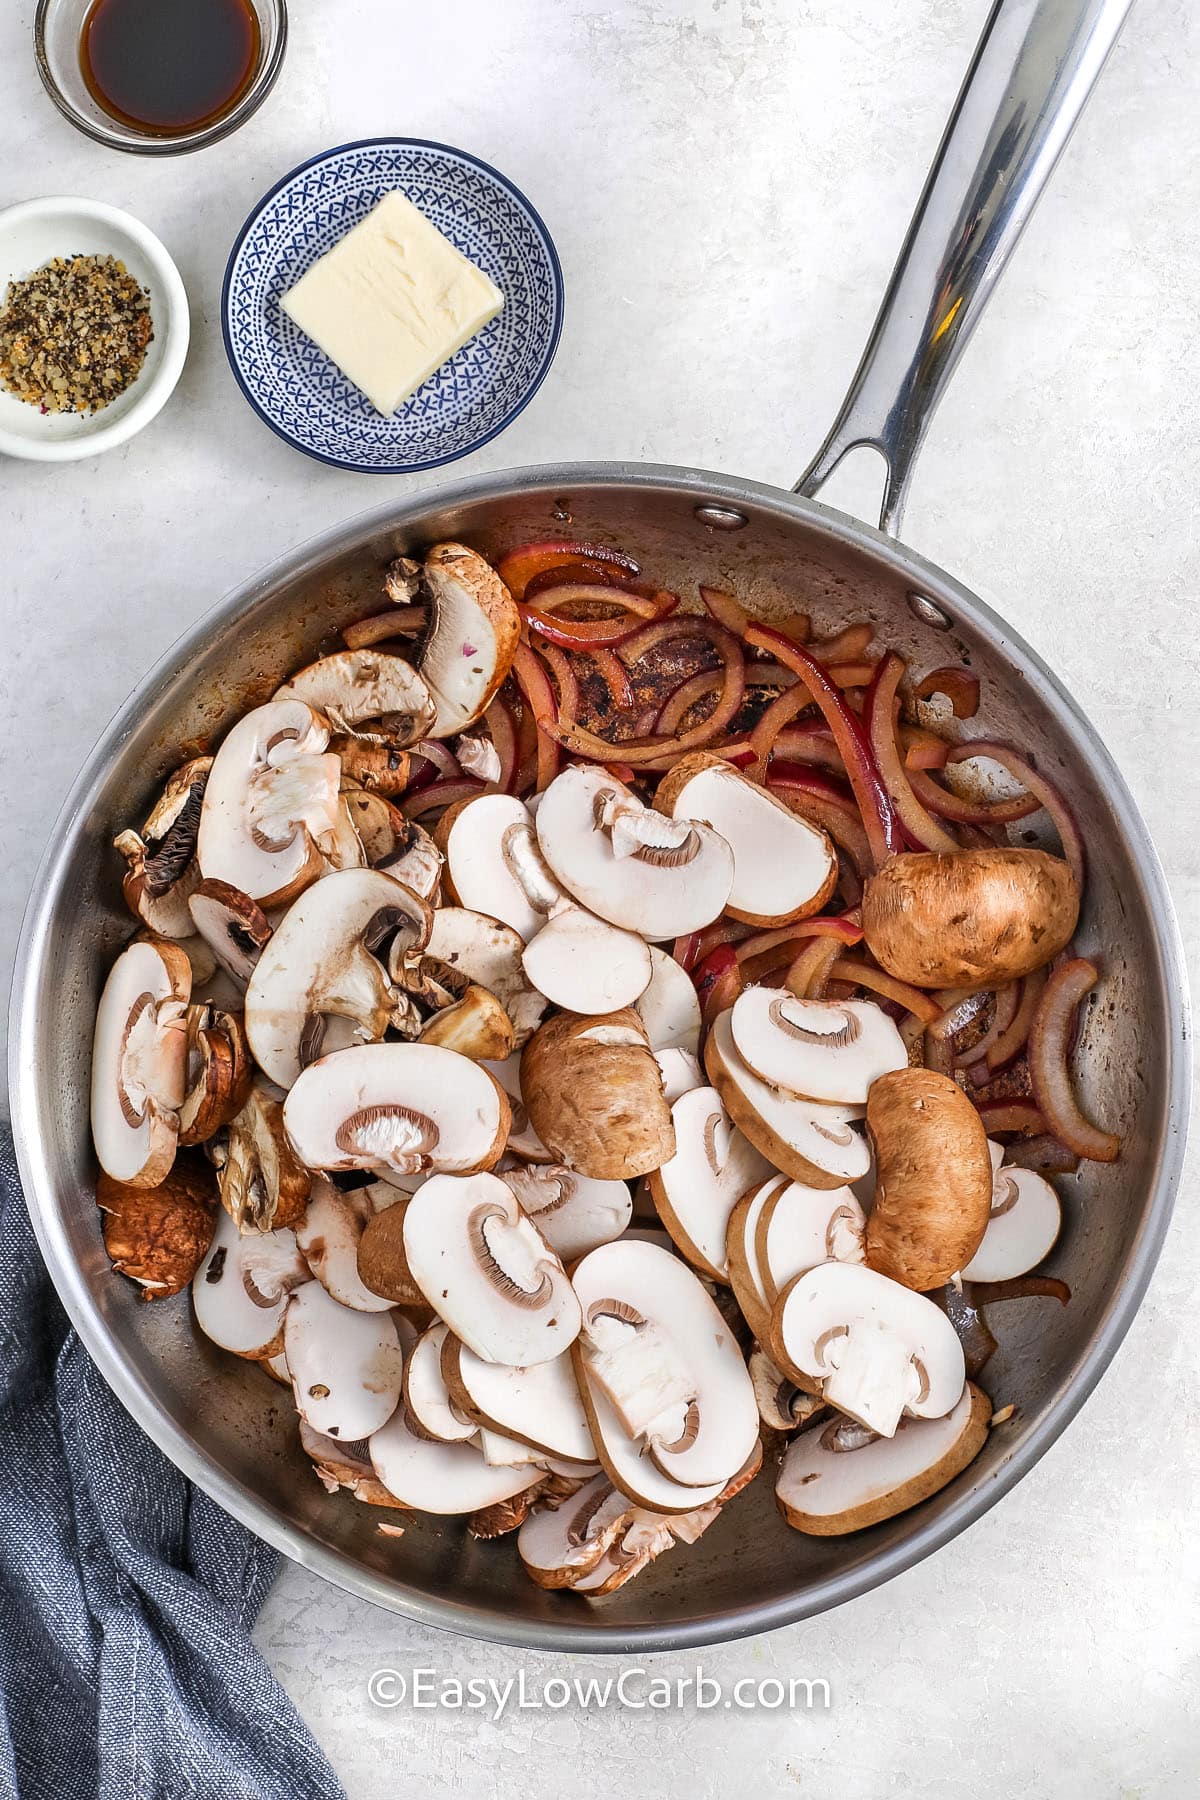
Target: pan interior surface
225,1422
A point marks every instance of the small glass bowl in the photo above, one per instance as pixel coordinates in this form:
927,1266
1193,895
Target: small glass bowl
57,30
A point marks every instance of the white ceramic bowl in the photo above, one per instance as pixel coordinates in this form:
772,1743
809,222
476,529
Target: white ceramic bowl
33,232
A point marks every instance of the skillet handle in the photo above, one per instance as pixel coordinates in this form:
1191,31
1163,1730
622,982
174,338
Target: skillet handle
1029,80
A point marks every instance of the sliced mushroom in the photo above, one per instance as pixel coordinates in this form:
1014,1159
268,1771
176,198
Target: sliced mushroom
416,861
594,1095
234,927
162,871
630,1468
339,1466
328,1237
681,1073
241,1290
669,1007
637,1302
741,1248
431,1410
523,1140
476,1026
784,867
321,962
696,1189
346,1366
276,1367
402,580
139,1061
628,863
488,1271
809,1140
477,753
263,1183
876,1349
382,1263
841,1479
354,685
270,809
344,848
159,1236
539,1406
474,631
1022,1227
818,1049
799,1227
574,1213
782,1406
219,1073
493,864
581,962
488,953
377,764
933,1178
407,1108
557,1545
441,1478
974,919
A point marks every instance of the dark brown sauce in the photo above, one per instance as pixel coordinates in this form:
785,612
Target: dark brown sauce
168,67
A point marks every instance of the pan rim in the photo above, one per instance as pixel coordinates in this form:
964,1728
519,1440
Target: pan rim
493,1623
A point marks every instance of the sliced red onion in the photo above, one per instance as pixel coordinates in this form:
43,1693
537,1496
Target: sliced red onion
1049,1048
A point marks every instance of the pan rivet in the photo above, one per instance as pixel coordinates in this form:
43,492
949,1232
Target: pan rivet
721,518
928,611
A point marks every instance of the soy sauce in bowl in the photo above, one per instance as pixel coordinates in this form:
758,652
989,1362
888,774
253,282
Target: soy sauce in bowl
169,67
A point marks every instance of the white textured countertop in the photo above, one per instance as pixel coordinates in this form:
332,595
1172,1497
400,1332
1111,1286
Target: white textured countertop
728,184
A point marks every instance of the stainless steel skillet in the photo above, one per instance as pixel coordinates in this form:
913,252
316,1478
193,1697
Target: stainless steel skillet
218,1420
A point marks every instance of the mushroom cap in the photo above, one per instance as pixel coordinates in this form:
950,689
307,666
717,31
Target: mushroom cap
441,1478
574,1213
877,1349
488,953
933,1178
1022,1228
628,863
818,1049
978,918
488,1270
241,1289
627,1289
410,1108
833,1481
271,803
234,927
139,1058
670,1007
159,1236
328,1238
432,1412
696,1190
320,963
812,1141
474,632
493,863
476,1026
381,1260
784,867
346,1366
539,1406
593,1093
581,962
353,685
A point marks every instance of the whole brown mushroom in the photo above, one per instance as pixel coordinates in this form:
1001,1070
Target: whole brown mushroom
594,1095
974,919
159,1236
933,1178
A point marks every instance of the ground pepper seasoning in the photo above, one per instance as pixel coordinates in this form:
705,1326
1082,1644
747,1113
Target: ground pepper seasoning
73,335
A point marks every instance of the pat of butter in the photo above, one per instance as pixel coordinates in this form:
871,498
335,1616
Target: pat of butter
392,302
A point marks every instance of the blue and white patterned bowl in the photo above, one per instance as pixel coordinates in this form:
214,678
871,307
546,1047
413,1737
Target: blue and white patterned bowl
303,396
